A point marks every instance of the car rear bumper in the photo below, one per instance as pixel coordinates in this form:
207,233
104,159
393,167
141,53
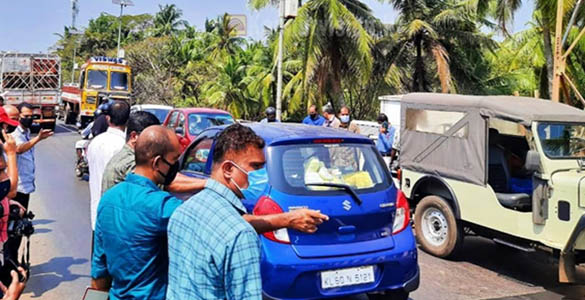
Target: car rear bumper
286,276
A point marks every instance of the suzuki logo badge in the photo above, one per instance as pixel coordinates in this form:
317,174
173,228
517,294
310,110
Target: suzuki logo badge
346,205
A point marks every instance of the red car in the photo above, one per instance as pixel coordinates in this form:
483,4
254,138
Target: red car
187,123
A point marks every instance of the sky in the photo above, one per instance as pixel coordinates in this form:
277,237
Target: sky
30,25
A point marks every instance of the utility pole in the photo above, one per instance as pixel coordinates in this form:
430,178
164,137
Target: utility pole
73,32
279,61
561,79
122,4
287,9
558,61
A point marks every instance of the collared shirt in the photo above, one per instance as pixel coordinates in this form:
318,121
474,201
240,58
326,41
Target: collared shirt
317,122
333,123
25,162
213,252
121,164
385,141
130,242
101,149
351,127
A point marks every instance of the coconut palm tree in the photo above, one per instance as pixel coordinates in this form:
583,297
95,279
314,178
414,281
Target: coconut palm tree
333,44
168,20
442,41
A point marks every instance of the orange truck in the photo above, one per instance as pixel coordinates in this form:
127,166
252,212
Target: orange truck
101,78
35,79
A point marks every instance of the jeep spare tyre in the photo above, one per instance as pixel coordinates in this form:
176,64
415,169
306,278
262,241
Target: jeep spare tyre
437,230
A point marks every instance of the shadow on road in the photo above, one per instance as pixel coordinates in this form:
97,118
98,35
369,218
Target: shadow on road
50,275
531,269
42,222
62,128
42,230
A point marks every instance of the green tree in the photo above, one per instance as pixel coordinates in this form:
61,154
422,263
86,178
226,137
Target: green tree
168,20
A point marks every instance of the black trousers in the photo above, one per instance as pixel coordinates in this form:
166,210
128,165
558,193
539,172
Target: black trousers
12,244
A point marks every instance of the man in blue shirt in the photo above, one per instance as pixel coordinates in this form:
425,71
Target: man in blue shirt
314,118
385,139
213,252
130,248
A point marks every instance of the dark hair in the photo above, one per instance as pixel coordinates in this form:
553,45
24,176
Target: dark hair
328,109
24,104
234,139
152,144
139,121
382,118
2,100
119,113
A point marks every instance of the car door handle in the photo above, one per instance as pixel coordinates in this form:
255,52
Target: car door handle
346,229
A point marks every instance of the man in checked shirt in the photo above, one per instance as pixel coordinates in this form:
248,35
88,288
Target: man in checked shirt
213,252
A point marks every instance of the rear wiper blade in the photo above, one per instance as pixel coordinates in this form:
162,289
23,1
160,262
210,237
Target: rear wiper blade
345,187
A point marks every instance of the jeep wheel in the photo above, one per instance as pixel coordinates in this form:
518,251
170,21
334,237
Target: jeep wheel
437,230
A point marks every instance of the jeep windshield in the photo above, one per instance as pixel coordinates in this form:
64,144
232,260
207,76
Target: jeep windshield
305,169
562,140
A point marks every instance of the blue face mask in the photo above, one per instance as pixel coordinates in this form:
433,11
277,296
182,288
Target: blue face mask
257,183
344,119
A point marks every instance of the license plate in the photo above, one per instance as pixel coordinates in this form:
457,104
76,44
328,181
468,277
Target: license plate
345,277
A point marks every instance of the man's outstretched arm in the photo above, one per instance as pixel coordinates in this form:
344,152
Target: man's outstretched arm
304,220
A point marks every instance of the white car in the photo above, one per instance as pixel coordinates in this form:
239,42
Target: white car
160,111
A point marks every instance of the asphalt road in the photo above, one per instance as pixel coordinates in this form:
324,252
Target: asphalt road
60,247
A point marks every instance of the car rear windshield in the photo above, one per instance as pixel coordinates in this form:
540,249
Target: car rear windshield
160,113
292,167
200,122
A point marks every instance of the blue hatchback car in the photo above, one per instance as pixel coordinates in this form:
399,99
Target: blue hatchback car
367,246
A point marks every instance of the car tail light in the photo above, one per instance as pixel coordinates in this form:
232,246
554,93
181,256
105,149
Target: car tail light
267,206
402,217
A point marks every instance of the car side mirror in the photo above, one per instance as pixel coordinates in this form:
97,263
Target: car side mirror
179,130
532,161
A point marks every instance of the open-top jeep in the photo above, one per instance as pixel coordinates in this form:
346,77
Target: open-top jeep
507,168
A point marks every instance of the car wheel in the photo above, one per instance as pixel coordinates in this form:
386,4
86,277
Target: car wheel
389,295
437,230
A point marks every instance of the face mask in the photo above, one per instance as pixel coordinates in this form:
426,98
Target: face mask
344,119
4,188
257,183
172,173
26,122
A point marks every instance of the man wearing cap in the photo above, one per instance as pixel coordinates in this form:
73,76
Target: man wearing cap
9,123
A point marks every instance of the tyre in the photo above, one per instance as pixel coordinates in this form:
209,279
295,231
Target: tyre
437,230
390,295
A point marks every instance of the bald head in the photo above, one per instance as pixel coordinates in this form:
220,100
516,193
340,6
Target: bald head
156,141
11,111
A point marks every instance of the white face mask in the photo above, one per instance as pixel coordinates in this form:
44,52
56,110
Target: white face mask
344,119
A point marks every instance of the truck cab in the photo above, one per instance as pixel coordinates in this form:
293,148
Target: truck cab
510,169
100,79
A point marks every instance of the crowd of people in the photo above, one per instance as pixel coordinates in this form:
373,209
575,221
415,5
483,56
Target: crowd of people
387,142
133,177
17,183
